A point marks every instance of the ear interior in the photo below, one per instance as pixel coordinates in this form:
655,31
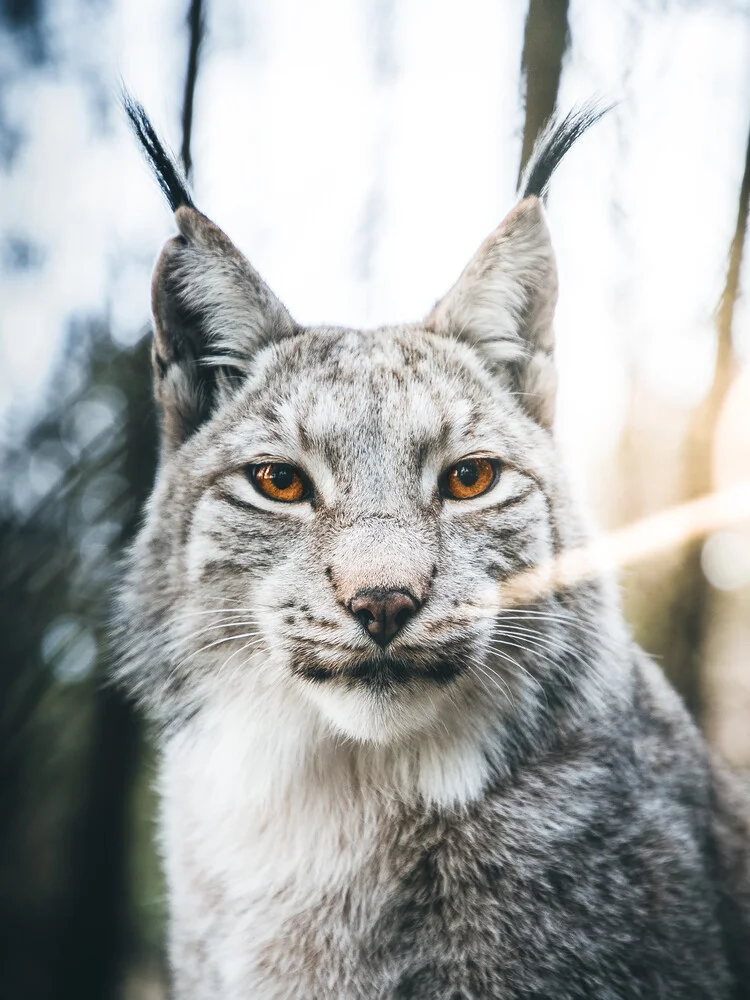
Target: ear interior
212,313
503,304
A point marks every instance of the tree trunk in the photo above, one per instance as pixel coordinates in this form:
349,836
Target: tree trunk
544,44
196,30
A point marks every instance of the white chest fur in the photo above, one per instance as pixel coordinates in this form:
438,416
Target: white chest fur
252,840
267,817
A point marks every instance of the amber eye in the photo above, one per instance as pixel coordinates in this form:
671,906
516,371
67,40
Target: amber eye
279,481
469,478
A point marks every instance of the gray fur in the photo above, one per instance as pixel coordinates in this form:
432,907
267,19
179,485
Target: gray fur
506,802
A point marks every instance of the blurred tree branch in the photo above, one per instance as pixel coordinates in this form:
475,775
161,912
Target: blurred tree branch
690,606
725,316
196,29
545,41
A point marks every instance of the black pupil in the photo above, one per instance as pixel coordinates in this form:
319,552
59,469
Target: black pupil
467,473
282,476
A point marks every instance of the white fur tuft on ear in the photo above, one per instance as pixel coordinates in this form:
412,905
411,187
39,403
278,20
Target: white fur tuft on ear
504,302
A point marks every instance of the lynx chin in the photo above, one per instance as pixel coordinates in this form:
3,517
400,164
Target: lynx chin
382,776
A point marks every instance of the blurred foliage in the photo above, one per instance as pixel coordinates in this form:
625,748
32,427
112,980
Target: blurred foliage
81,897
70,748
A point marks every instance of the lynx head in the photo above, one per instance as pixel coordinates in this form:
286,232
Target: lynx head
336,511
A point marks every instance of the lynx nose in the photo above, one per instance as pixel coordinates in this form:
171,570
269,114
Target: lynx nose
383,613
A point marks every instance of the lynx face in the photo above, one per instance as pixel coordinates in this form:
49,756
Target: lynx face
369,568
337,512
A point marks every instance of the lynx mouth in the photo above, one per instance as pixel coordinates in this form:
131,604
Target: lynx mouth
382,672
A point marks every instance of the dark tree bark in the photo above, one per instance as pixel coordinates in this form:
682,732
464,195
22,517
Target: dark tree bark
544,44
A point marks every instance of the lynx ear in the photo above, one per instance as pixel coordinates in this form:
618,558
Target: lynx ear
212,313
504,303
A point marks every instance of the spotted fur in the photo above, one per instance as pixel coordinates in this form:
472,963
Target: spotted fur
505,802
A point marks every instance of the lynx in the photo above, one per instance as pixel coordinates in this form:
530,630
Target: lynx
382,773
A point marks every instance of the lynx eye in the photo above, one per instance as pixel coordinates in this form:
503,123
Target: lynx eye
279,481
471,477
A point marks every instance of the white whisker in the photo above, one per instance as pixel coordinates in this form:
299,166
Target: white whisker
226,623
253,642
203,649
237,610
519,666
550,642
496,680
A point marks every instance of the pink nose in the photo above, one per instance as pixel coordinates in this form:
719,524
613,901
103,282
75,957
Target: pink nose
383,613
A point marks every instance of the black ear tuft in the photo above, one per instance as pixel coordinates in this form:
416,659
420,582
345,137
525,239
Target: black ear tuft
553,143
163,165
